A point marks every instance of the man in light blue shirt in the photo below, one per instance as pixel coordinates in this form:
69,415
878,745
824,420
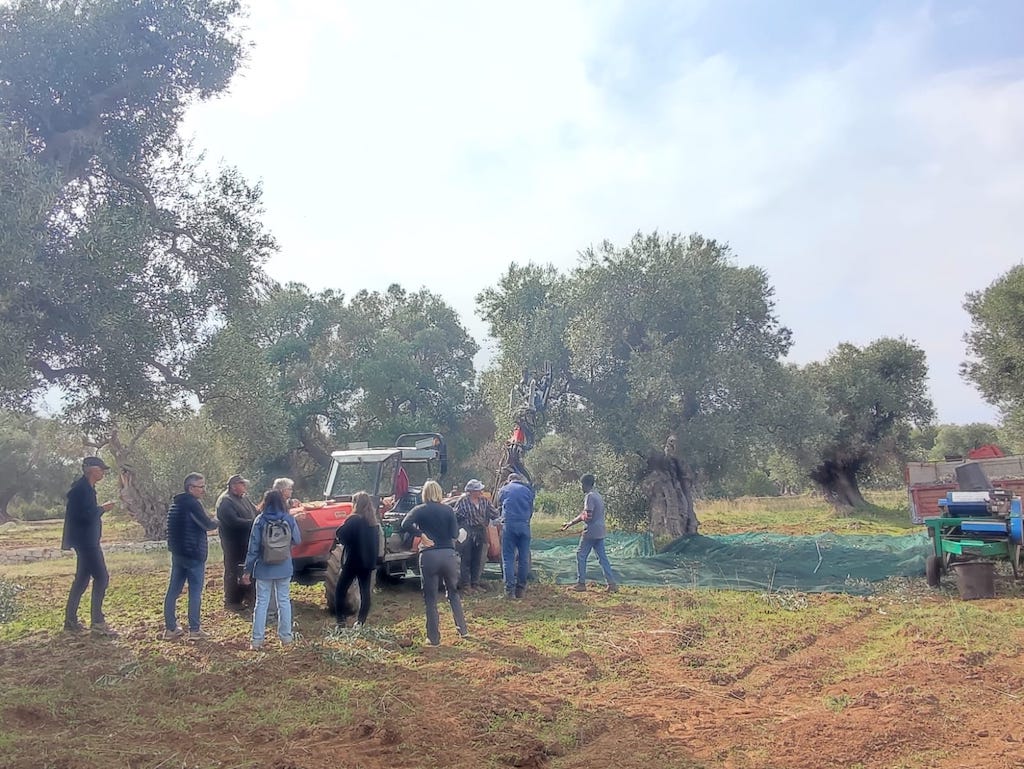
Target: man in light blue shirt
594,532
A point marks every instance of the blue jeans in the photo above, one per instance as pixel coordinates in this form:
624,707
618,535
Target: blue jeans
515,541
583,553
282,587
193,571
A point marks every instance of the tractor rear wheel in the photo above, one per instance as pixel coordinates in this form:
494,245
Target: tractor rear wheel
334,562
933,570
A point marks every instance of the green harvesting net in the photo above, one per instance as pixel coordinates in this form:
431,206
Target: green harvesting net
821,563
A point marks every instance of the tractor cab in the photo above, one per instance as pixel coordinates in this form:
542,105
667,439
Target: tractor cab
393,477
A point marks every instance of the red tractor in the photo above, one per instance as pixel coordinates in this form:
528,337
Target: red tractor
394,477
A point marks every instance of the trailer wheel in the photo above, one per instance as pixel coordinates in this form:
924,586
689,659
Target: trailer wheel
933,570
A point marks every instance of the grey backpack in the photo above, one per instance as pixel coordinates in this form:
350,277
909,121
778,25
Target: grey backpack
277,541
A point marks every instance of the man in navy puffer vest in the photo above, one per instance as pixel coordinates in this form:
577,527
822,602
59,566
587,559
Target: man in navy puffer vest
187,527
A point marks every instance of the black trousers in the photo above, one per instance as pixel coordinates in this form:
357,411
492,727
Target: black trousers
345,579
90,566
474,556
235,547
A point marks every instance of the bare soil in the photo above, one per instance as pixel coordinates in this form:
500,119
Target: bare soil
644,678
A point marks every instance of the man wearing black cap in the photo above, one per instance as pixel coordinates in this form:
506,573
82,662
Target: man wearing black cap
82,529
235,512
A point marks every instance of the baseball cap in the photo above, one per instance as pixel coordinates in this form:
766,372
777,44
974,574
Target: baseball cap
474,485
94,462
238,479
513,477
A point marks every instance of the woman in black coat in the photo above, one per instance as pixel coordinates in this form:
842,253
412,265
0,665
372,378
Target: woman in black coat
360,536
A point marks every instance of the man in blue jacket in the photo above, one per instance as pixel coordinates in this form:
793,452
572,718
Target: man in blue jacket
82,529
516,501
187,527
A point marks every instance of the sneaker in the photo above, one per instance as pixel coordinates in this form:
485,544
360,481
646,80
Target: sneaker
357,626
255,647
172,635
612,587
103,629
74,627
520,591
581,587
433,643
198,635
287,641
464,634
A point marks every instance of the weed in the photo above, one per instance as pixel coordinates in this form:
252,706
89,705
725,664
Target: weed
837,703
8,600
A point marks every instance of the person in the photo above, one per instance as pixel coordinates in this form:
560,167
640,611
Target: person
360,535
271,576
235,513
83,526
187,527
438,530
474,512
592,538
516,500
287,487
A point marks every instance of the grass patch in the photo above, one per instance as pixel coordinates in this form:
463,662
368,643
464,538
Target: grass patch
117,527
556,679
804,514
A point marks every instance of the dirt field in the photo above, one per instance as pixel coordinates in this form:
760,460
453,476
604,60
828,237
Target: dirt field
644,678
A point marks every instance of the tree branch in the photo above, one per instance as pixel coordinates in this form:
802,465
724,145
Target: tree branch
51,374
169,376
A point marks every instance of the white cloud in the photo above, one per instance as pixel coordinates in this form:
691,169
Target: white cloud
431,144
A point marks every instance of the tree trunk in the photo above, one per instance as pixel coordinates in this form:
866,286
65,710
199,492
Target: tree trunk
838,481
139,501
5,500
669,488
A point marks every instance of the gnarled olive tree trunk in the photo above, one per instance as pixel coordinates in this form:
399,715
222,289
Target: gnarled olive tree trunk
5,500
838,481
137,494
669,488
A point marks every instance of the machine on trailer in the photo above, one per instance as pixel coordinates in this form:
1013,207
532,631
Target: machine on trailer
979,525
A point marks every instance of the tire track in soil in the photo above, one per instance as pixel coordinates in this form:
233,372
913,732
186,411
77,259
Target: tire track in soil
777,711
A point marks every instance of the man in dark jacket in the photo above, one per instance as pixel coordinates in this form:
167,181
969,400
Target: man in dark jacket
235,514
187,527
82,529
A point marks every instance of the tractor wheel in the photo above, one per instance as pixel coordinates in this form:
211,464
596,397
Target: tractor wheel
333,573
933,570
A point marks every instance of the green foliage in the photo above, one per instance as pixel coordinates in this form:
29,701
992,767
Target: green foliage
38,460
958,440
307,372
33,511
165,453
871,398
665,336
127,253
995,341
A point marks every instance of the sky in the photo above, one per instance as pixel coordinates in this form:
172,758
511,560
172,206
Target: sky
868,155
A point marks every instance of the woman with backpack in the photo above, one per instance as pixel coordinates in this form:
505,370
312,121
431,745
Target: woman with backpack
360,536
435,523
269,562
